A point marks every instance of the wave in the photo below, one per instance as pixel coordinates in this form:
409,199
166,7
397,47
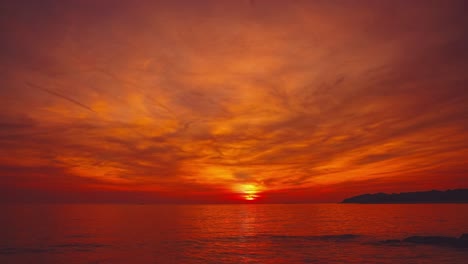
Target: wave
56,248
277,238
320,238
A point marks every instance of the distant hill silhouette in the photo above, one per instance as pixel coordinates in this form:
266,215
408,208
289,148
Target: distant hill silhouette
449,196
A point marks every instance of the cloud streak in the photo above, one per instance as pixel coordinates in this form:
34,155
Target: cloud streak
60,96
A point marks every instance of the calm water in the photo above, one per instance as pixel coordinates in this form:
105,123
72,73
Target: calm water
306,233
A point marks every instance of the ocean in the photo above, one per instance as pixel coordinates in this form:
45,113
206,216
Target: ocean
237,233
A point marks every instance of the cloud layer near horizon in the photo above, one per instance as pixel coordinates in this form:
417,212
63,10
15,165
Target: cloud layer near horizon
183,98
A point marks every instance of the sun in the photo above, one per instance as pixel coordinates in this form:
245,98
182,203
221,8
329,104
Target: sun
249,191
250,197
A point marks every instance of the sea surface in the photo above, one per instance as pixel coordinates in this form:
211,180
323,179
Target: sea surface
242,233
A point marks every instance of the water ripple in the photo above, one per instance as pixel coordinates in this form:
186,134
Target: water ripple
56,248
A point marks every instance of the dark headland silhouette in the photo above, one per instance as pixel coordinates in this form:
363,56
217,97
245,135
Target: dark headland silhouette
449,196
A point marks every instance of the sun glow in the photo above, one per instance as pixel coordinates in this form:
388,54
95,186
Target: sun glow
250,197
249,191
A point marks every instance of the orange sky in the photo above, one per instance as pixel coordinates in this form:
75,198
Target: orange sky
216,101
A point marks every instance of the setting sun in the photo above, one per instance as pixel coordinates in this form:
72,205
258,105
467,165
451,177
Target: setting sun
249,191
250,197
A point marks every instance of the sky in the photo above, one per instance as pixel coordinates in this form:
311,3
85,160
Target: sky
231,101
